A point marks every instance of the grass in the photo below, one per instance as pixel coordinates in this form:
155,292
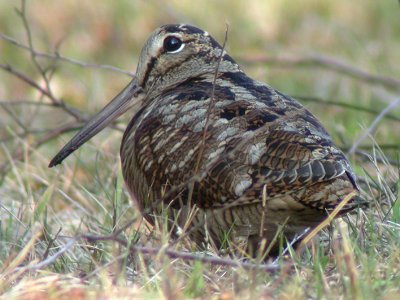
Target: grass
41,209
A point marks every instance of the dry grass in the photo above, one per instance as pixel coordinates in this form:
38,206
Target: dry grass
43,211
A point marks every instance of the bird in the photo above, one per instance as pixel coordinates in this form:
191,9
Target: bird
224,160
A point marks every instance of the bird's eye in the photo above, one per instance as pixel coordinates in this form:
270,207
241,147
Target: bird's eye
172,44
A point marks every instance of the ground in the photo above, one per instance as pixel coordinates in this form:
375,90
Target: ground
62,230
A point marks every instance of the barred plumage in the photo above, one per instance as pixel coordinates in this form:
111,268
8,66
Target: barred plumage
210,137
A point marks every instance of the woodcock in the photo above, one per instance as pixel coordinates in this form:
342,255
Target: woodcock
231,161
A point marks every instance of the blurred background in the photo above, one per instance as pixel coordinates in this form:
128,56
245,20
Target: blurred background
61,61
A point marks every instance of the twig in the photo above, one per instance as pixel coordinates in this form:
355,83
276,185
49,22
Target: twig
209,112
373,125
46,138
34,132
51,242
46,91
15,118
365,156
326,62
186,256
58,57
155,251
394,146
49,260
345,105
56,102
17,102
22,14
48,134
211,104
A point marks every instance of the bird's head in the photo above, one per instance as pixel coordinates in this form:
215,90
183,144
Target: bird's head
171,55
175,53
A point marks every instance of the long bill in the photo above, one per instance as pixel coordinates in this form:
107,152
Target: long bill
120,104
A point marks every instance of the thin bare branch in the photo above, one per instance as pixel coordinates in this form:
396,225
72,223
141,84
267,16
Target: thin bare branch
186,256
211,104
41,70
58,57
209,112
56,102
326,62
49,260
345,104
17,102
155,251
14,117
373,125
50,135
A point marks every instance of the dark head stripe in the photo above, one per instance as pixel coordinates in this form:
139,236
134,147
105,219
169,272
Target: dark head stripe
172,28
